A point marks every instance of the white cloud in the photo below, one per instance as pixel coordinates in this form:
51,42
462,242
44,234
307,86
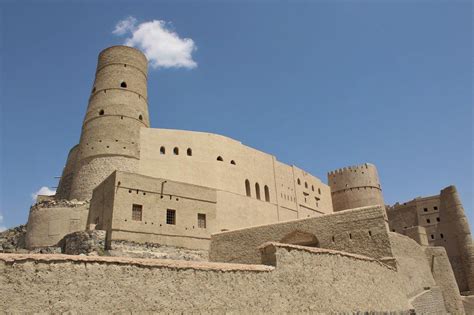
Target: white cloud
162,45
43,191
125,26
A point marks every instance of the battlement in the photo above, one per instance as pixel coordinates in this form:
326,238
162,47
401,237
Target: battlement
352,168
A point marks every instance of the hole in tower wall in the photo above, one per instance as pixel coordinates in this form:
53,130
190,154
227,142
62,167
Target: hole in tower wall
123,84
101,112
140,117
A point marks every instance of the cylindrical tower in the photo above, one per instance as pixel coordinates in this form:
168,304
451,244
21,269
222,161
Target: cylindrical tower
454,224
355,186
118,108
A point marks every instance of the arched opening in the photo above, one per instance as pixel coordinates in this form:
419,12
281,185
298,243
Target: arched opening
101,112
176,151
267,193
140,117
123,84
300,238
312,187
162,150
299,182
233,162
247,188
219,158
189,152
257,191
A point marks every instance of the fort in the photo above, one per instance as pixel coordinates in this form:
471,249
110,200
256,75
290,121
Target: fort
279,239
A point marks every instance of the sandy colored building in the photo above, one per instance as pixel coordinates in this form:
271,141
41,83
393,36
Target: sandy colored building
206,191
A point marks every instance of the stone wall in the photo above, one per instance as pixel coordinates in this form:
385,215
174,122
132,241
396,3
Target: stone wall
303,280
360,231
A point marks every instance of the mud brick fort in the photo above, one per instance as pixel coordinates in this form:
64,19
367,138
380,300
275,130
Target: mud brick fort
279,239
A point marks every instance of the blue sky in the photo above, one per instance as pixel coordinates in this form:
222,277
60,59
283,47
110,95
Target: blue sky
321,85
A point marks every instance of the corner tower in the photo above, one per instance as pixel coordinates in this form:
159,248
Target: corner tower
355,186
118,108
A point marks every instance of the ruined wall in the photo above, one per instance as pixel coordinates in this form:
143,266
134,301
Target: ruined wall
355,186
118,109
50,221
342,283
361,231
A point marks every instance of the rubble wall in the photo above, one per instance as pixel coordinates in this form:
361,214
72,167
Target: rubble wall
59,283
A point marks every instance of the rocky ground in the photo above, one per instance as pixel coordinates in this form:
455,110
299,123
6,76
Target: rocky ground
92,243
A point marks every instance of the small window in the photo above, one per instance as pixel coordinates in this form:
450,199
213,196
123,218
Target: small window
123,84
101,112
305,185
202,220
432,236
140,117
189,151
171,217
267,193
247,188
299,182
437,219
176,151
425,209
137,212
232,162
435,208
319,191
428,221
441,235
219,158
162,150
257,191
312,187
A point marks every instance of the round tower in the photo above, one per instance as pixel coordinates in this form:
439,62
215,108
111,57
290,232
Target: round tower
118,108
355,186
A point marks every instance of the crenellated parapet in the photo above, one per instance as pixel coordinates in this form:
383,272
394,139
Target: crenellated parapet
355,186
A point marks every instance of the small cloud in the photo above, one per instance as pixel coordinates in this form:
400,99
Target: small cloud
2,228
43,191
162,45
124,26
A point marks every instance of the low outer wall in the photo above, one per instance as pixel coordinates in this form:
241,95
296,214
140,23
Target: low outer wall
360,231
59,283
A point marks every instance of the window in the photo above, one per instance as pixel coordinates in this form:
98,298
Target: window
267,193
247,188
219,158
232,162
305,185
432,236
176,151
123,84
137,212
257,191
437,219
425,209
171,216
312,187
202,220
441,235
101,112
140,117
162,150
189,151
428,221
319,191
299,182
435,208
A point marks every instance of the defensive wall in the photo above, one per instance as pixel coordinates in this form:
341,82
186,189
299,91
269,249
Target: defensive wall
342,283
359,231
355,186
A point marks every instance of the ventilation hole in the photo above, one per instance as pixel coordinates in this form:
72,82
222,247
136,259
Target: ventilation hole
333,239
233,162
108,147
140,117
129,191
350,235
121,117
162,150
116,140
123,84
125,65
219,158
144,193
370,233
118,183
101,112
124,147
176,151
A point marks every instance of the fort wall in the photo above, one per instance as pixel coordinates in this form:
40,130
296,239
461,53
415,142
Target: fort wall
48,223
59,283
355,186
359,231
118,109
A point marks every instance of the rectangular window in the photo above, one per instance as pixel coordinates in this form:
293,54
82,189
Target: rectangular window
201,220
436,208
137,212
171,216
